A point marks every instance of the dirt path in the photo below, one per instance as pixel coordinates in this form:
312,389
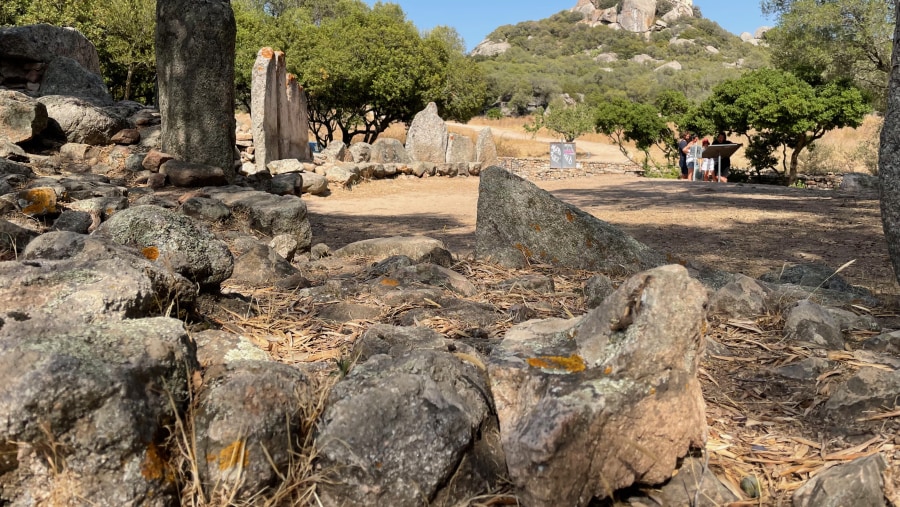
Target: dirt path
741,228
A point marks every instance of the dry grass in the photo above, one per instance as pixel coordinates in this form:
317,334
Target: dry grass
760,425
297,485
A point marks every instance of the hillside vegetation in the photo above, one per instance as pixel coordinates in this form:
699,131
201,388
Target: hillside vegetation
560,55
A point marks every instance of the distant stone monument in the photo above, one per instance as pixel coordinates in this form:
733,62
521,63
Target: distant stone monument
278,111
195,44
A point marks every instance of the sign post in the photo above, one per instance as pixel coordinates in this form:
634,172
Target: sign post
562,156
719,151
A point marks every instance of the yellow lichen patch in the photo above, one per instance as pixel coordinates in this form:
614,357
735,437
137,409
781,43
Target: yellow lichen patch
390,282
154,466
608,370
151,253
571,364
40,201
569,216
234,455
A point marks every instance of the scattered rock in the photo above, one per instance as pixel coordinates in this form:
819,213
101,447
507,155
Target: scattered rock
868,390
114,388
21,117
808,322
172,240
859,483
187,174
396,428
573,397
248,422
418,248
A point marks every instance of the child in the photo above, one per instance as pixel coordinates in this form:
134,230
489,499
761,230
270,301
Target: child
708,166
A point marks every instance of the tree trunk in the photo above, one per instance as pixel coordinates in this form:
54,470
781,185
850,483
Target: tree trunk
128,81
795,160
889,158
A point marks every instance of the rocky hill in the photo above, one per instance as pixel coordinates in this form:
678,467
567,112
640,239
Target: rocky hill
634,47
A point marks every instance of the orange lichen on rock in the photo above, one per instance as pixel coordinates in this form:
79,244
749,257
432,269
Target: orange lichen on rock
571,364
536,227
390,282
151,253
524,249
266,52
569,216
234,455
153,467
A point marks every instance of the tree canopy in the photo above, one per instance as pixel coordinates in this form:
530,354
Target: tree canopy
623,121
775,109
821,41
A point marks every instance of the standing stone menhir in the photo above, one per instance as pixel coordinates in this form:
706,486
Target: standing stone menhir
195,69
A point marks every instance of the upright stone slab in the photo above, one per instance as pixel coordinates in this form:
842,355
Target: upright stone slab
485,148
264,108
460,149
278,111
427,137
294,133
195,67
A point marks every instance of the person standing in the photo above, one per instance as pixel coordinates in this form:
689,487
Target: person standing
725,168
682,154
693,151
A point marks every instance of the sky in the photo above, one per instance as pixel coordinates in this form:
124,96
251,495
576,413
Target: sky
475,19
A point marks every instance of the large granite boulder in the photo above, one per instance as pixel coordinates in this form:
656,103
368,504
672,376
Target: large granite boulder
43,43
86,407
518,221
65,76
173,240
426,140
594,404
83,122
67,277
195,69
637,15
21,117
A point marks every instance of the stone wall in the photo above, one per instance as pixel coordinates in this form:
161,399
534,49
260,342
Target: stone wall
539,169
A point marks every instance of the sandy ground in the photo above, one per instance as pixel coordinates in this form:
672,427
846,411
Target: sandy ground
742,228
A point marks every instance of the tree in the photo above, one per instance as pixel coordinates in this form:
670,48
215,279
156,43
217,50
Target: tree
889,161
387,75
624,121
775,110
821,41
129,27
570,121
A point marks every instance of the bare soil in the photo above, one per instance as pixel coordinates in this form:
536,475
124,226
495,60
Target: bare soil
742,228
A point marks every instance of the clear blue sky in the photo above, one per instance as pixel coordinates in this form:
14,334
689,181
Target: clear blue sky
474,19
